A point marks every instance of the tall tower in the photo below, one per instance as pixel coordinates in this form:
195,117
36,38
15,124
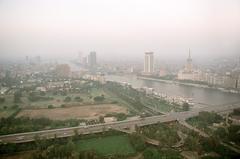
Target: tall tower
148,63
188,66
92,59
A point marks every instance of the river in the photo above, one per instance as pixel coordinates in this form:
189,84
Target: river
201,96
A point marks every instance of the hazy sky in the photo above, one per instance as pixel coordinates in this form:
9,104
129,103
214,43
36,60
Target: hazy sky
119,28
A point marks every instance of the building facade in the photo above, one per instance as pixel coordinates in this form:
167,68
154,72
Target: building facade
189,73
148,63
92,59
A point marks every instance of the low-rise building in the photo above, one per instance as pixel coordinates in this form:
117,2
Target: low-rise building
230,81
238,82
109,119
41,89
3,90
98,77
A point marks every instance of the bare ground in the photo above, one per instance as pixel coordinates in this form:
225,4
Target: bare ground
80,112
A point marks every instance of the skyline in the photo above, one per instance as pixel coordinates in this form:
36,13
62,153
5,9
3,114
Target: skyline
119,79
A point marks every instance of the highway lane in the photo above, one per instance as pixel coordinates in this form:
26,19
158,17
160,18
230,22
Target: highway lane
66,132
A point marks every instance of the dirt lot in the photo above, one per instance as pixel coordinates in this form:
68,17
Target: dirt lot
20,155
80,112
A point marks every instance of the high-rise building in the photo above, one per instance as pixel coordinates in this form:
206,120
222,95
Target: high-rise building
189,73
148,63
92,59
188,66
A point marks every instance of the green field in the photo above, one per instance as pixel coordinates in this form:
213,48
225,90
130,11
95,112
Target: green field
110,145
6,113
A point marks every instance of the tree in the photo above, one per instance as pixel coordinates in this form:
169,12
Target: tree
63,93
98,98
185,106
101,119
14,107
209,144
234,133
69,148
55,93
33,97
151,153
121,116
192,143
236,111
2,99
137,141
17,97
78,99
169,154
37,141
76,133
220,133
42,93
67,99
63,105
209,117
50,107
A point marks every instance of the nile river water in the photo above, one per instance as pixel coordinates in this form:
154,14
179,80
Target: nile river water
201,96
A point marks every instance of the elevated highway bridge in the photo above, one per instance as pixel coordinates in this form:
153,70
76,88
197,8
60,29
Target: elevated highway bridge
66,132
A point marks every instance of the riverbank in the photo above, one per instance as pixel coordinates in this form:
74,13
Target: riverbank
187,84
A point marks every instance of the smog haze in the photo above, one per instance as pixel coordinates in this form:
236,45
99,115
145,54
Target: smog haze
122,29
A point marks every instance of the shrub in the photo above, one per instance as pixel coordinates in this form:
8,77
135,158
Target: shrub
185,106
63,105
14,107
67,99
2,99
98,98
42,93
50,107
78,99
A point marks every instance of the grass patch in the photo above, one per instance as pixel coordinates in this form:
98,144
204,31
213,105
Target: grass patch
7,113
111,145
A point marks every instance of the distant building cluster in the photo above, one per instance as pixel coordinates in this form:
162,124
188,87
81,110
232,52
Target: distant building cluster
33,60
227,79
230,80
97,77
89,61
63,70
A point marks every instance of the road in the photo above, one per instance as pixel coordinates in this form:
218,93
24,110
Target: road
201,133
66,132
